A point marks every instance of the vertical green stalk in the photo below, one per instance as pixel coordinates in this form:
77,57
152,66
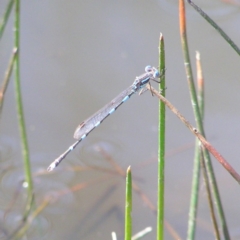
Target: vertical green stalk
196,168
197,115
20,113
161,146
209,197
128,206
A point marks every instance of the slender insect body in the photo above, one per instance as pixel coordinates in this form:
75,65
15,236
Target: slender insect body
96,119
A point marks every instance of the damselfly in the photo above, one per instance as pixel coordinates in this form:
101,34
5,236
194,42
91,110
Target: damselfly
151,73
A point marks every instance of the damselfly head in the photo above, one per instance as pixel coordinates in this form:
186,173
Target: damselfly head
148,68
153,71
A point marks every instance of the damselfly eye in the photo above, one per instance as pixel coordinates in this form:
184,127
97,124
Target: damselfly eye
156,74
148,68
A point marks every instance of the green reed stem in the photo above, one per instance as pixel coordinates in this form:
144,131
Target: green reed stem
161,145
196,168
6,15
197,114
20,112
128,205
213,24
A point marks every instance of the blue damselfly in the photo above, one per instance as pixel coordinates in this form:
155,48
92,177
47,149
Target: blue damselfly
151,73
